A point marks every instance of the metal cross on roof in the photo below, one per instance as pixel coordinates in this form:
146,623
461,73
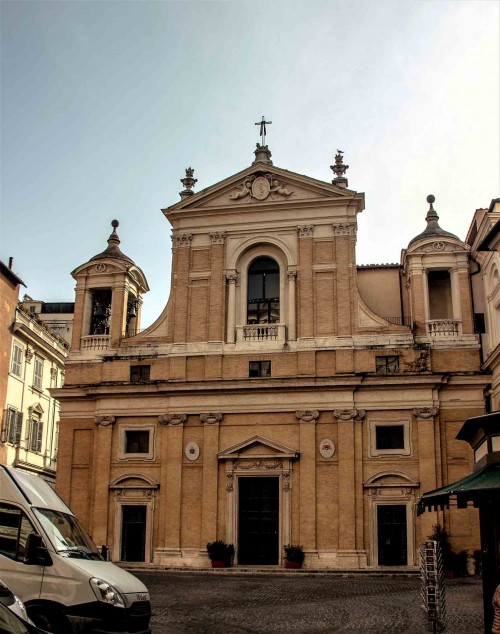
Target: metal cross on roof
263,124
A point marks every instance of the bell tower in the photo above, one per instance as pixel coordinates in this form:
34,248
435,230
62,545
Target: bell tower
109,289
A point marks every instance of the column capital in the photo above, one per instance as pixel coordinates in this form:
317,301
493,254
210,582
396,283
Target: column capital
349,415
172,419
232,277
344,229
307,415
291,275
182,240
425,413
105,421
211,418
305,231
218,237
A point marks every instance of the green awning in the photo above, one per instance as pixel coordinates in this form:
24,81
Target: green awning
482,484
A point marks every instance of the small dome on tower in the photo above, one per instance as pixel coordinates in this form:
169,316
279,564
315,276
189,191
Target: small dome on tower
433,230
113,249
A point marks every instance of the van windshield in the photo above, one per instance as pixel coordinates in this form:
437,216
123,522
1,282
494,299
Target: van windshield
67,534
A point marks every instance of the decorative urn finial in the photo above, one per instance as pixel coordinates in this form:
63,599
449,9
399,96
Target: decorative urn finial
339,169
189,182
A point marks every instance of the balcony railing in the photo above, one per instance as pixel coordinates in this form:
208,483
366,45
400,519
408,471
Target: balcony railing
95,342
443,327
261,332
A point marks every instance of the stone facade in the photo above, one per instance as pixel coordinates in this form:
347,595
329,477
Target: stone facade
272,401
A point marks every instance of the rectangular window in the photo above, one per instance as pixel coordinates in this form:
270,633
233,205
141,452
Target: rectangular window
259,369
36,435
140,373
390,437
12,423
38,373
17,360
479,323
14,531
387,365
137,441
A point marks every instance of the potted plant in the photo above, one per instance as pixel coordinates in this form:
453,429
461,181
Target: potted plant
220,554
294,556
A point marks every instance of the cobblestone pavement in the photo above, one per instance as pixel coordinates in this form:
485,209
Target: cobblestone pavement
200,603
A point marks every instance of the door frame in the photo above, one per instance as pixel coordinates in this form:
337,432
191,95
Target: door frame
410,531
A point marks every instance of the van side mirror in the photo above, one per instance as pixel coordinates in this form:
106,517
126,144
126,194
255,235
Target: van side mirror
36,553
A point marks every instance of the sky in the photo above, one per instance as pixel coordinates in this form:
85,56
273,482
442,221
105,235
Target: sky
105,103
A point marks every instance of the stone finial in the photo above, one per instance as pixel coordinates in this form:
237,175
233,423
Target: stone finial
339,169
113,248
262,154
433,231
189,182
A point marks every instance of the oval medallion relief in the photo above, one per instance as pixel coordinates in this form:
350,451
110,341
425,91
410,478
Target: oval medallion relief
326,448
260,188
192,451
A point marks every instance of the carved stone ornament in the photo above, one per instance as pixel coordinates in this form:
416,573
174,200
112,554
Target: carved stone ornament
307,416
229,481
218,237
344,230
326,448
426,413
211,418
286,481
53,373
100,267
291,275
438,246
29,354
172,419
346,415
232,278
257,464
259,187
182,240
306,231
192,451
105,421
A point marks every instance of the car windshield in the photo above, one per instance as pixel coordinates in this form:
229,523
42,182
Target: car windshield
67,534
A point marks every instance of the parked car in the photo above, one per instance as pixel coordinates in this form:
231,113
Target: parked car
13,616
52,565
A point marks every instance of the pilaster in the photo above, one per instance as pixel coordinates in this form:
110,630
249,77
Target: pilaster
211,422
306,299
425,418
182,246
102,470
216,313
307,538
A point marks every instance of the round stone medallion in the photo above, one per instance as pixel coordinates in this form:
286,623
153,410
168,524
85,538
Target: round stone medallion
260,188
326,448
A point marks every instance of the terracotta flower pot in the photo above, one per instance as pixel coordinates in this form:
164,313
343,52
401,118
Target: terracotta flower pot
292,564
218,564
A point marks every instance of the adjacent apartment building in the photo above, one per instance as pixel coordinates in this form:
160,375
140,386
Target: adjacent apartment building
34,361
284,395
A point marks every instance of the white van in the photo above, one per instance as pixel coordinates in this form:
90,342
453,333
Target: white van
48,560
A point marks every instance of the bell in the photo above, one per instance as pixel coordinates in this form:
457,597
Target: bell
100,310
131,311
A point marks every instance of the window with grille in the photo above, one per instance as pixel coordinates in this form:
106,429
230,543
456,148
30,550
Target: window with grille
259,369
140,373
17,360
35,435
387,365
38,373
12,423
263,305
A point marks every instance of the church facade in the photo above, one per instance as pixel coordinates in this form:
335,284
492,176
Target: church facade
284,395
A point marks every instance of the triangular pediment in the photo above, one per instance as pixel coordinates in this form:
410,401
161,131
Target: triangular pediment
257,447
263,184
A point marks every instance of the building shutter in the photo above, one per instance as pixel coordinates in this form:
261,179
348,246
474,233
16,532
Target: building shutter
5,425
39,436
18,419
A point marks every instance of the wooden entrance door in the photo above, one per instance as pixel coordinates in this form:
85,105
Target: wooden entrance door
133,533
392,535
258,521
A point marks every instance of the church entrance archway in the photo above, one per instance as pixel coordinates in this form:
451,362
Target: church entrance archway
258,521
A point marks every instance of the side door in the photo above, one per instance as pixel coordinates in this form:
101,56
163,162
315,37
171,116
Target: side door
23,580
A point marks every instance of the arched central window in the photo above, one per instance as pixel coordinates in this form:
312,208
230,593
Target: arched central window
263,305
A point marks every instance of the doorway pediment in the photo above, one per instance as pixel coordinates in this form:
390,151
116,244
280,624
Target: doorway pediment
257,447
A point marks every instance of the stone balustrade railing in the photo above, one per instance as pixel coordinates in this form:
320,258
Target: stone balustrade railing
95,342
443,327
261,332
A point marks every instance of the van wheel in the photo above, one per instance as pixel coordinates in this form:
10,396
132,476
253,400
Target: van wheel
51,620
